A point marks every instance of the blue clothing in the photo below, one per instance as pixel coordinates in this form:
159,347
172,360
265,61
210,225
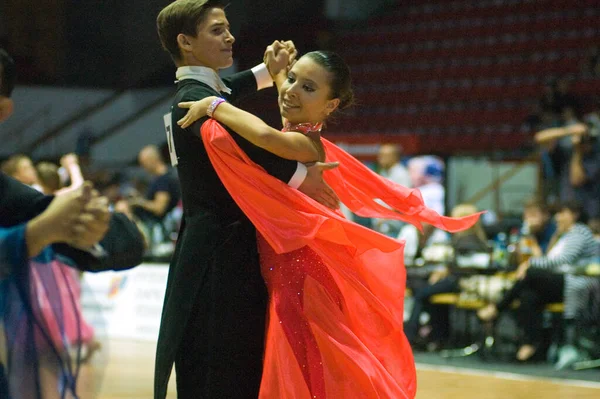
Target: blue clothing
545,235
29,300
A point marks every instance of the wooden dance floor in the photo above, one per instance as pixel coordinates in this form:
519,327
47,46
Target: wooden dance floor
124,370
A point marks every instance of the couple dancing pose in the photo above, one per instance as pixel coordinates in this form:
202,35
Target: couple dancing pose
272,293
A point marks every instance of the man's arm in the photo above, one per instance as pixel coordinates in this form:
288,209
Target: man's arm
246,83
157,206
549,135
577,175
123,245
277,58
19,203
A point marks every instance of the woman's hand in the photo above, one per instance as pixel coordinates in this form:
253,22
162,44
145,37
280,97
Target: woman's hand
196,110
69,160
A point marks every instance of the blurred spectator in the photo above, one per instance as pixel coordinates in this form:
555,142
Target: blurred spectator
51,183
21,168
441,281
569,116
162,195
539,281
564,97
592,119
50,178
557,148
538,224
594,225
426,173
584,172
390,167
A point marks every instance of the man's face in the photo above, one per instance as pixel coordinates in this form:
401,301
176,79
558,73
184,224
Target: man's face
146,162
387,156
213,45
535,218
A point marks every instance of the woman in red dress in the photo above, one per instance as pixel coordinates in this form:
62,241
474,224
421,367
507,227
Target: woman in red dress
336,288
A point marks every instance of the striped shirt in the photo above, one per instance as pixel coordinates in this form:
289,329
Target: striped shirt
573,248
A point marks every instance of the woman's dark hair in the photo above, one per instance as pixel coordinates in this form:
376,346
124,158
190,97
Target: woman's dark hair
341,82
576,208
8,74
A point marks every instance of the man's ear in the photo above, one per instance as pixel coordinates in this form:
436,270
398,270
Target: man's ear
6,108
184,42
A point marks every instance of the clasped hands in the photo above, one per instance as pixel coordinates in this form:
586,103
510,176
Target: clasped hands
79,218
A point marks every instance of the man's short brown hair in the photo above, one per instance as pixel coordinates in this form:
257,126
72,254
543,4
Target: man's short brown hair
182,16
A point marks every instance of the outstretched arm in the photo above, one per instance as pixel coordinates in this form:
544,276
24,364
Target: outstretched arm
289,145
71,165
548,135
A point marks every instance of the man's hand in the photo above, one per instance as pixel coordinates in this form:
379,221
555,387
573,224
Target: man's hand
279,56
315,187
92,224
63,212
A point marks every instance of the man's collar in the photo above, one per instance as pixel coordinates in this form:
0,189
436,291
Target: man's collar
202,74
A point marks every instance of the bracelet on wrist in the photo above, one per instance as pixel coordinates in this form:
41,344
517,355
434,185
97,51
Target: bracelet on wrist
213,106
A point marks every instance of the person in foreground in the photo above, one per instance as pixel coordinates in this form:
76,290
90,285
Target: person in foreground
213,319
40,350
335,288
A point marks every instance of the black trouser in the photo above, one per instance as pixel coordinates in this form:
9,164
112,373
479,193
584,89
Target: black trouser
220,356
538,288
440,314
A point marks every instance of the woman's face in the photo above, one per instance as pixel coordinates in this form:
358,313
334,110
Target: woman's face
304,96
565,219
535,218
213,45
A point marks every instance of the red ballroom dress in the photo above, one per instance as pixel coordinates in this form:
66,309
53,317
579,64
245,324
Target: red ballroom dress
336,289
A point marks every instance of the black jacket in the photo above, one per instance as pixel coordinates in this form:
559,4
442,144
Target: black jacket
215,302
123,243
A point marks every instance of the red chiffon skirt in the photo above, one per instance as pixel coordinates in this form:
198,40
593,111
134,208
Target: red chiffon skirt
328,336
336,288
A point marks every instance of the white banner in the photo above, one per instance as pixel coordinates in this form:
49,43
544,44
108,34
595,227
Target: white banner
125,304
